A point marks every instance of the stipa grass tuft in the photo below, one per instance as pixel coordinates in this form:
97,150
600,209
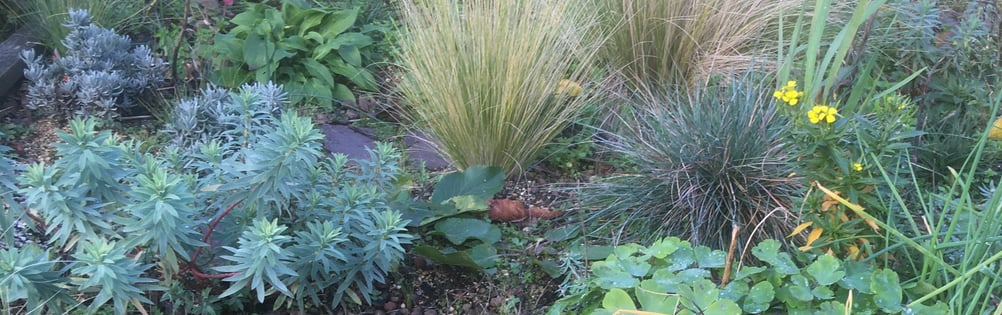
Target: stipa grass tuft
703,161
685,41
494,81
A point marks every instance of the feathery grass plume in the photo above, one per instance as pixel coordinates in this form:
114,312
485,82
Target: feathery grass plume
685,41
702,161
484,76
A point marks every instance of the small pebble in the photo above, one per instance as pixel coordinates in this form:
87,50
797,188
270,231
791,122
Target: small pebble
430,312
389,306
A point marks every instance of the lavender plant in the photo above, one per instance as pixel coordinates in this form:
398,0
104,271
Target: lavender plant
99,73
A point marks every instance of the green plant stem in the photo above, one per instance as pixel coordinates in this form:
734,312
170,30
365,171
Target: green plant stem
964,277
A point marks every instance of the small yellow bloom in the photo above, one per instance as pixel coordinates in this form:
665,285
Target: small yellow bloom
569,88
788,93
822,112
858,167
996,132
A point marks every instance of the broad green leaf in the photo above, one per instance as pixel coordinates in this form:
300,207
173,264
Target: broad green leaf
666,280
936,309
759,298
342,92
857,276
338,22
654,300
256,53
762,292
351,55
734,290
484,255
663,247
886,290
826,270
823,293
609,275
454,258
313,17
478,181
768,251
617,299
747,271
682,258
319,71
459,230
799,288
723,307
248,18
834,308
704,294
707,258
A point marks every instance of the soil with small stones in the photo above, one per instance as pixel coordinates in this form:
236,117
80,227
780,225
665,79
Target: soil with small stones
418,286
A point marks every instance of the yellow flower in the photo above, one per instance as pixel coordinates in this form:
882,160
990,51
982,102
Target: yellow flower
996,132
569,88
822,112
788,93
858,167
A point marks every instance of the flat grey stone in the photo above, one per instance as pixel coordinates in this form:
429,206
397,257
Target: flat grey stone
353,143
420,150
11,67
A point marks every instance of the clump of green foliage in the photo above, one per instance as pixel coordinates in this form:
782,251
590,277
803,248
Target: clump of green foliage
494,81
257,194
703,164
673,277
684,42
99,74
311,50
955,49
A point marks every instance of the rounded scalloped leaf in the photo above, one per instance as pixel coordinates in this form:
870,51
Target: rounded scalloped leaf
886,290
617,299
826,270
652,299
723,307
768,251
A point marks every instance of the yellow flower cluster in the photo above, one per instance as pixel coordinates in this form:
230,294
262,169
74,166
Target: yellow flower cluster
789,93
822,113
857,167
568,87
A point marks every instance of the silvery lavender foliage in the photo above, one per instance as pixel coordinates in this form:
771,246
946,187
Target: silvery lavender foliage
98,74
224,116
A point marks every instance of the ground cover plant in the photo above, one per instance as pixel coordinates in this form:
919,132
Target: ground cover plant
717,157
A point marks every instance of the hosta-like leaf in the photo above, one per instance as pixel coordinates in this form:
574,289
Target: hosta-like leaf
459,230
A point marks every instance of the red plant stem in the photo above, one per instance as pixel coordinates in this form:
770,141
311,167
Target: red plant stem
205,239
38,220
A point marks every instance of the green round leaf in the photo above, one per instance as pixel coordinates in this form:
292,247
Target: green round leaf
617,299
826,270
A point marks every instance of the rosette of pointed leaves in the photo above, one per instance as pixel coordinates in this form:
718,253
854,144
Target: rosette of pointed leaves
320,260
103,266
277,169
26,274
65,208
162,207
260,258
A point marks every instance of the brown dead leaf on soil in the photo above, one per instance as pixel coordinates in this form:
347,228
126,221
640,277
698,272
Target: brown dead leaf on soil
507,210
